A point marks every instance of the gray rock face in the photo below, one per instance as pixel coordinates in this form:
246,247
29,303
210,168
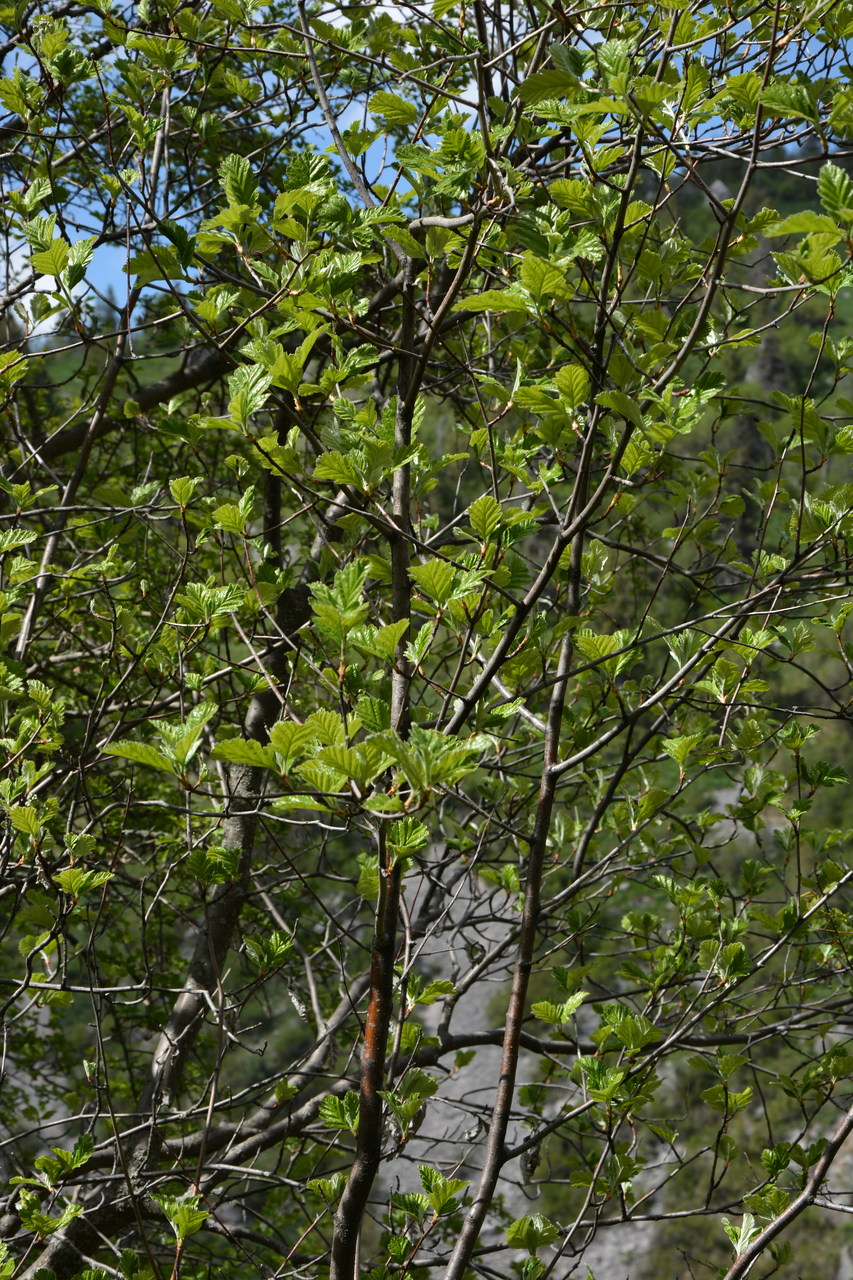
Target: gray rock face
477,924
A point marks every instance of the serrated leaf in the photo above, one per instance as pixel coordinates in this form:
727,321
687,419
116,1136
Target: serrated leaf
391,109
184,1215
484,516
157,263
435,990
244,751
531,236
340,469
79,258
531,1233
230,518
495,300
417,649
405,240
340,1113
12,538
75,881
835,189
141,753
182,490
557,1014
289,742
572,382
621,404
238,180
54,260
803,223
328,1188
435,578
24,818
543,85
543,280
248,387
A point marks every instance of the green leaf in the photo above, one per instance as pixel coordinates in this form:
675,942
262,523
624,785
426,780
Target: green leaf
406,836
635,1032
544,85
725,1100
392,110
733,962
245,751
531,1233
13,366
204,604
557,1014
531,236
572,382
544,281
742,1236
289,742
680,748
435,990
339,468
621,404
268,951
248,387
380,641
803,224
183,242
12,538
340,1113
157,263
33,1219
238,181
62,1163
413,1203
329,1189
184,1216
441,1191
435,579
230,518
359,764
789,101
835,189
484,516
79,258
75,881
573,194
417,649
216,865
182,490
340,608
141,753
496,300
405,240
54,260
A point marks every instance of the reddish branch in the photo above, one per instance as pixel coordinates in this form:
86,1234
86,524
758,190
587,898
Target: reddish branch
369,1139
380,1009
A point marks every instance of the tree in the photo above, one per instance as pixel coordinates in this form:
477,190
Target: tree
426,677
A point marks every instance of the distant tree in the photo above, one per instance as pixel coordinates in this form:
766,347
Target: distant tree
425,694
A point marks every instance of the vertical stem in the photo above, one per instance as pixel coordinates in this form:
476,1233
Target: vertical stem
345,1261
380,1008
401,498
494,1160
495,1143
